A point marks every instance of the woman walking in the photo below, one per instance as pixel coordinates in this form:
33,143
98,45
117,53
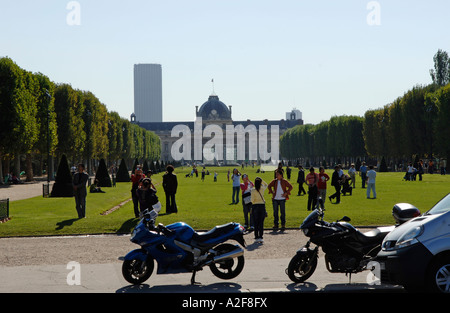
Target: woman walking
259,208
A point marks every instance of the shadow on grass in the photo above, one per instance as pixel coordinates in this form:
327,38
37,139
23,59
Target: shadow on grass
61,225
127,226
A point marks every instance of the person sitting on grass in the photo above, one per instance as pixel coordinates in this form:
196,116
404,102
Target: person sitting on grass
95,188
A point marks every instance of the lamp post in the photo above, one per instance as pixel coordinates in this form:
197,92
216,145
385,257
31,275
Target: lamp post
49,99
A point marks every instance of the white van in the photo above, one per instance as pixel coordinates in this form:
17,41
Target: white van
416,254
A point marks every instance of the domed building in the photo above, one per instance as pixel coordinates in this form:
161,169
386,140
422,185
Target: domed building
215,112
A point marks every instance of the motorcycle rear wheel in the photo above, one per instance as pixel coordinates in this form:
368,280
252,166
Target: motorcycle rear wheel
137,271
301,267
227,269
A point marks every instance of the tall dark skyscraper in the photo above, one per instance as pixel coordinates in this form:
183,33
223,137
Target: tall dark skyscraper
148,93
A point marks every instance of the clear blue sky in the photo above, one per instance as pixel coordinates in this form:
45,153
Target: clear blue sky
265,56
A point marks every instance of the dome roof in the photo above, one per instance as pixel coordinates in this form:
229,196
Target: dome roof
214,109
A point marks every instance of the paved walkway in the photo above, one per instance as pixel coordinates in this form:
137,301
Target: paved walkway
22,191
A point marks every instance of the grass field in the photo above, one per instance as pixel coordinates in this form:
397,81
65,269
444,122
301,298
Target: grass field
204,204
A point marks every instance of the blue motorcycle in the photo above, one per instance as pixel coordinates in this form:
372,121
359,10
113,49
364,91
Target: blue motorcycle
177,248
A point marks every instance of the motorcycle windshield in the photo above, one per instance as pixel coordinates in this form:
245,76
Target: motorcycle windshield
311,219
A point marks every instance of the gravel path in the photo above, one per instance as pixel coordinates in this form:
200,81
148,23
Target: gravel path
22,191
108,248
28,251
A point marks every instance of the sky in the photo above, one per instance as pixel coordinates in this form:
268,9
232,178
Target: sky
266,57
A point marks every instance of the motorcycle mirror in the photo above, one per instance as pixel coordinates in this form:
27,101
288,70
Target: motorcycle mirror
345,219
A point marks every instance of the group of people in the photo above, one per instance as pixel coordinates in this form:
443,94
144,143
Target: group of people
143,192
342,183
12,178
254,204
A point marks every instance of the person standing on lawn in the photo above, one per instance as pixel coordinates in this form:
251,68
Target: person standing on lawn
259,208
236,182
322,186
246,188
280,189
301,180
170,185
135,181
363,174
79,187
336,182
311,180
371,175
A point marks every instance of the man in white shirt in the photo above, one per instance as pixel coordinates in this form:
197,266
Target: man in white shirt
371,175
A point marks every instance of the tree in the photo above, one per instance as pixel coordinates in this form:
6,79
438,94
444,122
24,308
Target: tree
63,186
441,72
115,137
441,123
18,106
96,128
46,117
69,110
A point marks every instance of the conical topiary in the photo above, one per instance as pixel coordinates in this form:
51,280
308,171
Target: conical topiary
383,165
63,186
102,175
122,174
145,167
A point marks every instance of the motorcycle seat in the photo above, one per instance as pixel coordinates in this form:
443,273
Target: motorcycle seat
370,237
213,233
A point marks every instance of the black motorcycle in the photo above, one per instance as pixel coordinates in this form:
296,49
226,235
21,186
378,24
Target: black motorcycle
346,249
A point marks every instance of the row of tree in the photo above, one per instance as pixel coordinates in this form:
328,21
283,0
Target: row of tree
39,117
334,141
413,126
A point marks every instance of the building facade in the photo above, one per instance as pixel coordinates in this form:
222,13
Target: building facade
236,141
148,93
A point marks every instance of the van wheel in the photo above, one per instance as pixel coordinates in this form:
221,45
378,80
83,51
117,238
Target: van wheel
438,279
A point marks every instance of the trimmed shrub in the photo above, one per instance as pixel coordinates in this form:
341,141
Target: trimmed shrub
63,186
102,175
122,174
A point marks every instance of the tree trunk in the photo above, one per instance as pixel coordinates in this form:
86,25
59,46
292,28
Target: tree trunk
1,171
17,165
29,169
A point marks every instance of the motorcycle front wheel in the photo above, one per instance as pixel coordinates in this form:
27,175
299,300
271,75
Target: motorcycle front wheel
301,267
230,268
137,271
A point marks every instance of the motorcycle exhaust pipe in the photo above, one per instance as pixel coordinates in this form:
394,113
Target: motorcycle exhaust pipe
229,255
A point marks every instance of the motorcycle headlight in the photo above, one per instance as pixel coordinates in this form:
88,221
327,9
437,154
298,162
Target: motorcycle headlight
305,231
409,238
134,233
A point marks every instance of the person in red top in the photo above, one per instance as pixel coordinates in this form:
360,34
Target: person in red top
311,180
322,186
135,180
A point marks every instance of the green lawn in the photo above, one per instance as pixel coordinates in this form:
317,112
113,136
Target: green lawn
204,204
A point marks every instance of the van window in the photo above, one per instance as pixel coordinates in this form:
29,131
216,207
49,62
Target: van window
442,206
